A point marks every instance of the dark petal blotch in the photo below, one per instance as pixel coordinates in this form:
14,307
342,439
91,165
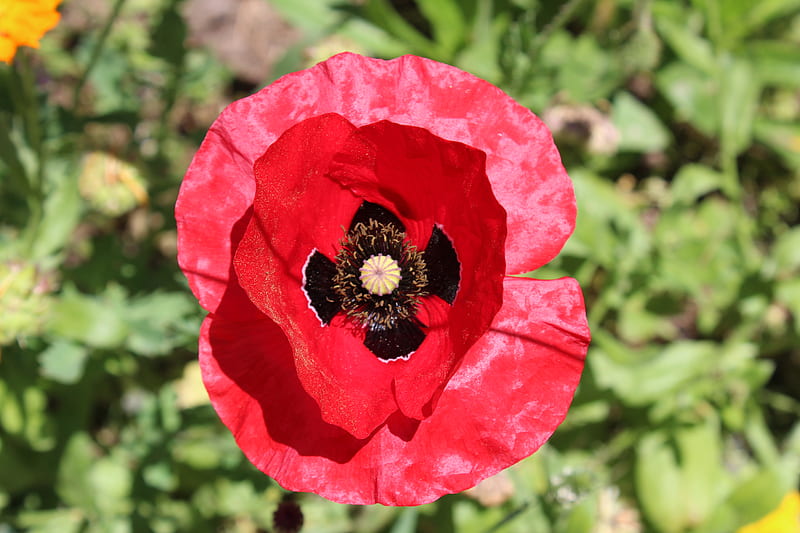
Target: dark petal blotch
444,269
392,343
318,275
370,211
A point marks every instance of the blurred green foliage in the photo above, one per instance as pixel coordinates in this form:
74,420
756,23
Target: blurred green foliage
679,122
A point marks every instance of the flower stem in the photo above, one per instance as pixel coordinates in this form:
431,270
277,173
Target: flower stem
559,21
96,50
18,175
24,97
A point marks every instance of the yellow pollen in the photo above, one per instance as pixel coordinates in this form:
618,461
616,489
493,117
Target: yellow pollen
380,274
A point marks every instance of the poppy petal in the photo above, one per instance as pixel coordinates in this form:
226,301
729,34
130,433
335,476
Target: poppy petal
270,262
332,362
261,214
249,373
211,216
414,172
395,342
318,274
523,164
369,211
444,270
512,390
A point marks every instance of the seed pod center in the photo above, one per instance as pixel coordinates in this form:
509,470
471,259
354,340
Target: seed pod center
380,274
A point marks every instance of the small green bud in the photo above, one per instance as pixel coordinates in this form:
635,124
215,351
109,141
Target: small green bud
110,185
25,300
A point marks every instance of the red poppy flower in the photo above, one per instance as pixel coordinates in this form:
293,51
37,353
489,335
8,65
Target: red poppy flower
351,230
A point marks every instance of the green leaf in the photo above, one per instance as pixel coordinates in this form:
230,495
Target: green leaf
693,49
582,518
602,215
160,476
469,517
99,485
73,485
24,412
679,476
786,252
18,176
168,37
204,448
694,95
744,17
62,211
640,129
704,485
447,20
757,495
589,72
642,53
740,90
647,379
760,438
11,417
110,480
324,20
310,15
658,483
787,293
775,62
693,181
91,320
637,323
160,321
63,361
782,137
108,75
790,462
699,254
51,521
406,522
479,56
39,427
382,14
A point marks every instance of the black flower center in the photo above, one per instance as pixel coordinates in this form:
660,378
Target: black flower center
380,276
378,279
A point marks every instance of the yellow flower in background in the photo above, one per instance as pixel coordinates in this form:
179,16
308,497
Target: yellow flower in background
23,23
784,519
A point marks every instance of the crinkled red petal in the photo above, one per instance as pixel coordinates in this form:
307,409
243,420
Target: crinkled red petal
298,210
511,391
332,362
256,380
522,163
426,180
248,370
212,212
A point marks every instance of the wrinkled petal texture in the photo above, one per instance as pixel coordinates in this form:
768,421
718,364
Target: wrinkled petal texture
488,386
522,163
502,404
316,175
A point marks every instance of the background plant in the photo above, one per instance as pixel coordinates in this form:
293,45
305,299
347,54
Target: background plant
679,122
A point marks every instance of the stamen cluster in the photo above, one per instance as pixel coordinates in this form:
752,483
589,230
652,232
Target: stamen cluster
366,308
